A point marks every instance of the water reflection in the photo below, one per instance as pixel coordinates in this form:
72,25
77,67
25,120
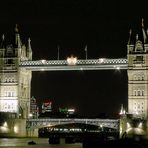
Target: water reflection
40,143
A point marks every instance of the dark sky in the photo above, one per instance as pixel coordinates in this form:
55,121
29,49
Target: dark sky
72,24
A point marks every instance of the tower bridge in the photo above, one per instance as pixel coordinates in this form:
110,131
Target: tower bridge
16,66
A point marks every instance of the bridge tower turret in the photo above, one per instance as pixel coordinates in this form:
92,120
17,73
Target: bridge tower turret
15,82
138,74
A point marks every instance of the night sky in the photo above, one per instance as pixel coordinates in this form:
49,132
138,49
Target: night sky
72,24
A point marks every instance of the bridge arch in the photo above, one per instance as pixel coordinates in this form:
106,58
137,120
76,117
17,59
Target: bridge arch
35,124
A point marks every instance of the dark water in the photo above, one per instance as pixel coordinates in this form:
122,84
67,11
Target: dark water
40,143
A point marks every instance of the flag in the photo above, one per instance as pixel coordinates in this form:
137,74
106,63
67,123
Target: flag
85,51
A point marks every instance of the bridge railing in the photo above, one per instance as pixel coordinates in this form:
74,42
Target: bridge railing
79,62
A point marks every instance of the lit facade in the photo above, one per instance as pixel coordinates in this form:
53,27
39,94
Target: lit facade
34,110
15,82
138,74
46,106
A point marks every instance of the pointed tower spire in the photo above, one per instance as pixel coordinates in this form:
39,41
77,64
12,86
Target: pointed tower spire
29,49
29,43
122,111
143,31
16,28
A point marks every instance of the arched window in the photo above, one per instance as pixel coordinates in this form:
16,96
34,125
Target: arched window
142,93
139,92
135,93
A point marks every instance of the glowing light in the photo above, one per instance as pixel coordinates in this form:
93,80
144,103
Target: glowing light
30,115
101,125
15,129
128,125
71,111
122,111
72,60
140,125
136,113
101,60
43,61
5,124
118,68
49,125
4,129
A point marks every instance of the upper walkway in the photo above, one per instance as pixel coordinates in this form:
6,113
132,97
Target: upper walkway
74,64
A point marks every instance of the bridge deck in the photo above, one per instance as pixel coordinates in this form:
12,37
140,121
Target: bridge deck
42,122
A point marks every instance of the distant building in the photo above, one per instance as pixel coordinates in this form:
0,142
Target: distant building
67,111
34,110
47,106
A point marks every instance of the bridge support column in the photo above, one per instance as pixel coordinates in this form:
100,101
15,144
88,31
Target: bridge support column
132,126
123,127
13,128
32,133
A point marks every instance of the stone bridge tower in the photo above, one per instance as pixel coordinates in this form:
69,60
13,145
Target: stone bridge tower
137,52
15,82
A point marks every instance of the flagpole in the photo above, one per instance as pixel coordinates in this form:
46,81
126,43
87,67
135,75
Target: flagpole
86,52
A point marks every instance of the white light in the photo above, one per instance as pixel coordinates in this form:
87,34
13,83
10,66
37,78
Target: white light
140,125
15,129
30,115
128,125
101,125
101,60
5,124
43,61
118,68
4,129
136,113
49,125
71,110
71,60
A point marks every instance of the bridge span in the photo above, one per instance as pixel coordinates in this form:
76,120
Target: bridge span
41,122
74,64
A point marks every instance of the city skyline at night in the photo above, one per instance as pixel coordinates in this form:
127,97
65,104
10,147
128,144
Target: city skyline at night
71,26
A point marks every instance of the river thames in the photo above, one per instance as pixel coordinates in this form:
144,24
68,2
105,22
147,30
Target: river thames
40,143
